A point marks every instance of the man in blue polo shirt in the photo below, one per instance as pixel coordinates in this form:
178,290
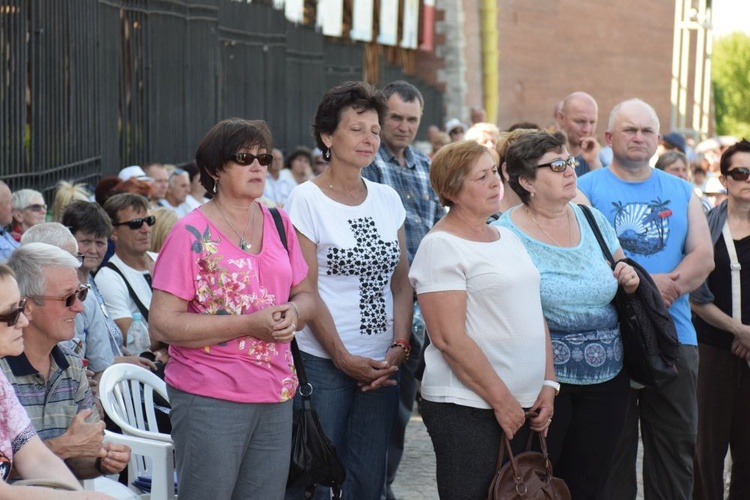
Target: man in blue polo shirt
660,224
407,170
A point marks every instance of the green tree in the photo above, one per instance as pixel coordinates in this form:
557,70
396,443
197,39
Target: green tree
731,81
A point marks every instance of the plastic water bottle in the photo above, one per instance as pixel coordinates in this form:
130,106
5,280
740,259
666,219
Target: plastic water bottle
138,340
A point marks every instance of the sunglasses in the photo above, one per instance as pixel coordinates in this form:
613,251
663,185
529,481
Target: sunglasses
12,317
245,159
739,173
560,165
136,224
36,207
69,300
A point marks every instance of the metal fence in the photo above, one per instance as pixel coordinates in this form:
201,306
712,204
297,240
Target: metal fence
91,86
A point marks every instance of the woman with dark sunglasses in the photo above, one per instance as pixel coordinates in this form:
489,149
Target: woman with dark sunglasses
577,287
29,209
228,299
20,447
722,318
351,231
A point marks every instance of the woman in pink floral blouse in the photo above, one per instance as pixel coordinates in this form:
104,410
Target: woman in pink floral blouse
228,298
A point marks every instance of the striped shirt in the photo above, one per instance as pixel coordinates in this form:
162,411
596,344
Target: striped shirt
412,183
51,404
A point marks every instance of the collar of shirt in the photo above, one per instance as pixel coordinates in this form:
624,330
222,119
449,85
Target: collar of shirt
20,365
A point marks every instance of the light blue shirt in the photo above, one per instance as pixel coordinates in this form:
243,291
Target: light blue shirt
7,245
577,288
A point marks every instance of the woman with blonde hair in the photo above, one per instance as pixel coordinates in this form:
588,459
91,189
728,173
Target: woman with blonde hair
165,219
65,194
490,361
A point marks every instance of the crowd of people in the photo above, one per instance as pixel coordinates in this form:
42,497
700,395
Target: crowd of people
460,273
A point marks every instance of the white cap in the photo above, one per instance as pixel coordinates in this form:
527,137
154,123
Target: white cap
133,171
453,123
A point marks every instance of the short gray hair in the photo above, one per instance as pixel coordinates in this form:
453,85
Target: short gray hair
29,262
616,110
52,233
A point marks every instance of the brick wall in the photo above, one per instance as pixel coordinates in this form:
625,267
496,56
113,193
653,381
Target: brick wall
550,48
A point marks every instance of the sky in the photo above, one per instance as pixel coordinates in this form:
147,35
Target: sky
730,15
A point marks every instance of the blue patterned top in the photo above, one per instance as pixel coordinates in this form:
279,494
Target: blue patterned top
577,289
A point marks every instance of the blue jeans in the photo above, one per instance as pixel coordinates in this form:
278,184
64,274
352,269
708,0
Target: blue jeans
358,423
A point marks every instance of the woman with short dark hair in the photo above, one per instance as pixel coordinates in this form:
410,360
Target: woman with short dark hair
352,236
577,287
228,299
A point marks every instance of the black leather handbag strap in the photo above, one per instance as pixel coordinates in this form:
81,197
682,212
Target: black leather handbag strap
131,292
597,232
301,376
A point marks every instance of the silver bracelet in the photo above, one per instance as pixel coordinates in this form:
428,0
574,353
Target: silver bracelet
295,308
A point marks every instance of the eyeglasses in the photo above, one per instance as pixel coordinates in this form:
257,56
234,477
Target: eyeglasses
69,300
245,159
36,207
739,173
560,165
177,171
136,224
12,317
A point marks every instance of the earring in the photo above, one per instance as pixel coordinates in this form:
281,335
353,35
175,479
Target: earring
327,154
216,183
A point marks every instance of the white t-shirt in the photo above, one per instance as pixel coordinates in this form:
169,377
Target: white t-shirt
357,250
277,190
181,210
115,292
503,313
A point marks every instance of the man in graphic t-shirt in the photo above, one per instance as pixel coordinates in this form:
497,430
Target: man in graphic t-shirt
660,224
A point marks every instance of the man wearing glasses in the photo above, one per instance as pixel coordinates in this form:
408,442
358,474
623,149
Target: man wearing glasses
125,281
7,242
661,225
50,380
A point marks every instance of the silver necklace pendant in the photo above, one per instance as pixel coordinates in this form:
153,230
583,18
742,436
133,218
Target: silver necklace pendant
243,244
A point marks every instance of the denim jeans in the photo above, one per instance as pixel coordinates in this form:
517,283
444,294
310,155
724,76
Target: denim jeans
358,423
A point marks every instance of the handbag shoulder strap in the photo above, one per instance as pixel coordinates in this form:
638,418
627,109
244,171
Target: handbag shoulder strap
735,267
597,232
301,376
131,292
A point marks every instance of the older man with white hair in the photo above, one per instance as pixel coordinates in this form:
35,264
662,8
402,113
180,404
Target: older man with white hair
7,242
49,380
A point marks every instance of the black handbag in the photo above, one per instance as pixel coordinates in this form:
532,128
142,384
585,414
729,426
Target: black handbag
650,344
314,460
527,475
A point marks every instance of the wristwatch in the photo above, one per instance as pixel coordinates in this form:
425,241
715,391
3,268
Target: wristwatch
555,385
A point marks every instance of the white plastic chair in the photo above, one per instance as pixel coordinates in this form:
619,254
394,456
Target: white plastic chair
125,391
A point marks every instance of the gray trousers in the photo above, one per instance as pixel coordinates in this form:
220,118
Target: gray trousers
669,427
227,450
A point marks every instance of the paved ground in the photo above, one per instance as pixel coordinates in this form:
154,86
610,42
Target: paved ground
416,478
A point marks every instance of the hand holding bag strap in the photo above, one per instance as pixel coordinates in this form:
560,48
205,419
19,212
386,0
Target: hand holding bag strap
597,232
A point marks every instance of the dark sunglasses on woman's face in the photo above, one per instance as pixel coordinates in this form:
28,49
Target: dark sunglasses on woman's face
136,224
245,159
739,173
12,317
69,300
560,165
